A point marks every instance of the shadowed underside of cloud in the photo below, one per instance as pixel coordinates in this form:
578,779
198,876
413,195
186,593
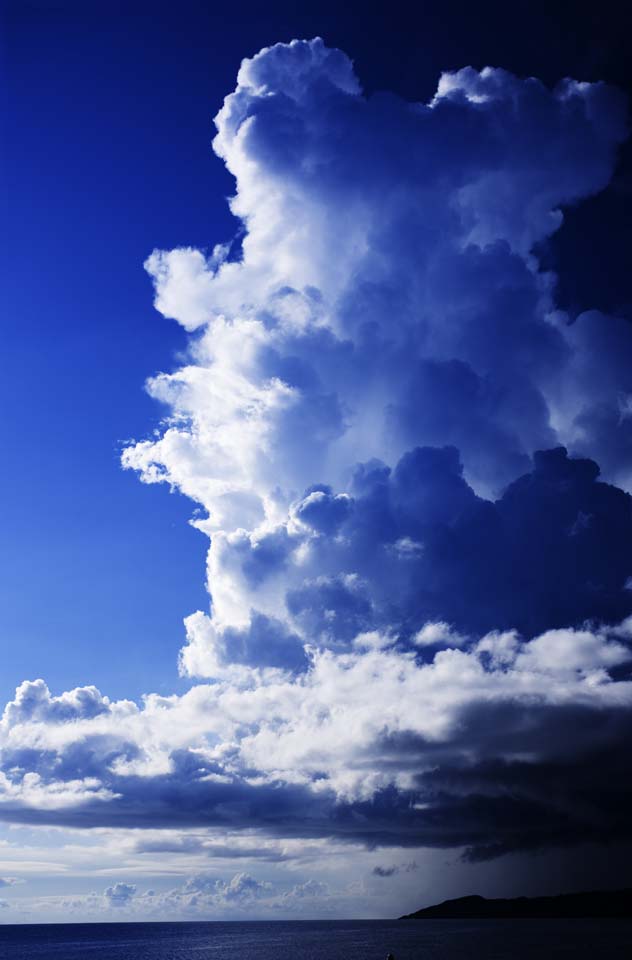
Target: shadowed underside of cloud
497,745
418,631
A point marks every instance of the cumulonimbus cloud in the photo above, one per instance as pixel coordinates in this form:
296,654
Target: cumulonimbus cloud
419,582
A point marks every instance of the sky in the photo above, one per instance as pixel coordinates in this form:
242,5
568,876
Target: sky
316,578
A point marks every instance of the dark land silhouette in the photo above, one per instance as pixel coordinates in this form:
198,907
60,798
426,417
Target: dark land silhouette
601,903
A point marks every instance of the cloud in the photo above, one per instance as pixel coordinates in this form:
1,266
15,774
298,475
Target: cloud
383,872
426,322
206,846
9,881
307,897
241,889
33,701
419,581
416,550
240,895
120,895
372,745
438,633
193,897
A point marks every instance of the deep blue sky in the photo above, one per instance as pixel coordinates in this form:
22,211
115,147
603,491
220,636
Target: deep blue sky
107,155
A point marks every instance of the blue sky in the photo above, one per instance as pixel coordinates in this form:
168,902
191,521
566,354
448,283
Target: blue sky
349,405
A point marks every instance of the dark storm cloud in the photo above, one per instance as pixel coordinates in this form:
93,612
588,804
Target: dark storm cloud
553,551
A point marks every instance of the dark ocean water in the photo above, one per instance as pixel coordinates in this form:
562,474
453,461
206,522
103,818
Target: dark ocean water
323,940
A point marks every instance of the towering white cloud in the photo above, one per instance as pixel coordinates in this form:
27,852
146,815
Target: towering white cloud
387,296
420,599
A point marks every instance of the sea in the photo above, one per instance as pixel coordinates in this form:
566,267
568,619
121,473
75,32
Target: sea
322,940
